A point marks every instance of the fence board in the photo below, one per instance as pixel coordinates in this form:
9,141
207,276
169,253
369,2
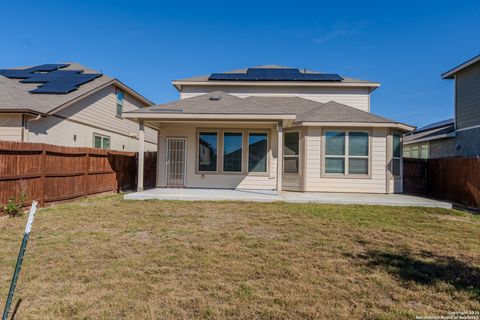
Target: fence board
55,173
453,179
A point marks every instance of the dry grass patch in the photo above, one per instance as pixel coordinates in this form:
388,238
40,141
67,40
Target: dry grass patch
104,258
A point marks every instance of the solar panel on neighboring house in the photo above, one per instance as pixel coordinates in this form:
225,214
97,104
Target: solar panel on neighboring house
53,80
275,74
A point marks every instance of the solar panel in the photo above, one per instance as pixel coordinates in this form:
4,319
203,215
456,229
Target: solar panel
275,74
52,78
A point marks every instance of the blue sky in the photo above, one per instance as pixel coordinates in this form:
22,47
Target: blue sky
405,45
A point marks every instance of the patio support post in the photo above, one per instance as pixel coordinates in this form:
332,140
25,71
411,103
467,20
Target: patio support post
141,154
279,155
159,160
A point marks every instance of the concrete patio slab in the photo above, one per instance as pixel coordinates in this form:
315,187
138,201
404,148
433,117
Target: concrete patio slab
194,194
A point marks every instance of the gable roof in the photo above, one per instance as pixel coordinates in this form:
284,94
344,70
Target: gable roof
225,106
15,96
450,74
204,79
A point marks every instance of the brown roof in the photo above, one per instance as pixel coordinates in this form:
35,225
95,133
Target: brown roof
305,110
15,96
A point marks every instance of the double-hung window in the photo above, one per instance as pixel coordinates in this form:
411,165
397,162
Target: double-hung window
291,152
232,151
347,152
119,103
397,153
101,141
257,152
207,151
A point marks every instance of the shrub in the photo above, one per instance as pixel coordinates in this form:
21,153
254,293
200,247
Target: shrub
15,203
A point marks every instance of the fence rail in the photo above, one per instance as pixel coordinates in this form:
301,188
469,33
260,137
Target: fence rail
52,173
452,179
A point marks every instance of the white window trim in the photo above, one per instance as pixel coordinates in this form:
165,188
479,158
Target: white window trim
346,156
292,156
102,136
120,116
400,157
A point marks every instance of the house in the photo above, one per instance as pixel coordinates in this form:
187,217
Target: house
459,136
274,128
70,105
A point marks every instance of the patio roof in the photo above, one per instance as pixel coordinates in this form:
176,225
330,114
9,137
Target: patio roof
219,105
214,105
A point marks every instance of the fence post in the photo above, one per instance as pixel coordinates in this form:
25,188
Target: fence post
43,168
87,166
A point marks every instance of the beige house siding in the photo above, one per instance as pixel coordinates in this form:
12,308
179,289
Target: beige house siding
315,181
216,180
11,127
93,114
59,131
354,97
467,97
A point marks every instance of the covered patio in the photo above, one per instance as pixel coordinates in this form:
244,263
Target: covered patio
204,194
216,141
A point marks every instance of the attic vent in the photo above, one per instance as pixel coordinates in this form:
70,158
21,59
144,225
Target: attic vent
215,98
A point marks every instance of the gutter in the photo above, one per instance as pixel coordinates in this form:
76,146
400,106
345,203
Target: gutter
179,84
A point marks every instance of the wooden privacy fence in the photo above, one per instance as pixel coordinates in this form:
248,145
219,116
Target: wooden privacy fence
50,173
453,179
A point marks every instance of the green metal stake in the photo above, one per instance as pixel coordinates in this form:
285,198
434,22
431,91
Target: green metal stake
18,266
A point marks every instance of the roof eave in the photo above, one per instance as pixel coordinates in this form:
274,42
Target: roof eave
179,83
397,125
205,116
451,73
437,137
21,110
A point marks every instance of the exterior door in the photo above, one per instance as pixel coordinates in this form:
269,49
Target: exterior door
176,162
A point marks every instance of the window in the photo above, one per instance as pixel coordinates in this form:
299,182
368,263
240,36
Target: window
406,152
358,153
257,152
397,153
119,103
291,152
424,151
101,142
347,152
207,151
232,151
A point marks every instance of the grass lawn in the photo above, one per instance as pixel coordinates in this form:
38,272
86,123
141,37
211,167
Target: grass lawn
105,258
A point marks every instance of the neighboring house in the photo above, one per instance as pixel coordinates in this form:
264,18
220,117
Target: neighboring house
460,136
69,105
418,143
275,128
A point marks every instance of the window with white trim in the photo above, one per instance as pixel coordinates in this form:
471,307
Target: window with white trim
291,152
101,141
119,103
347,152
397,153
